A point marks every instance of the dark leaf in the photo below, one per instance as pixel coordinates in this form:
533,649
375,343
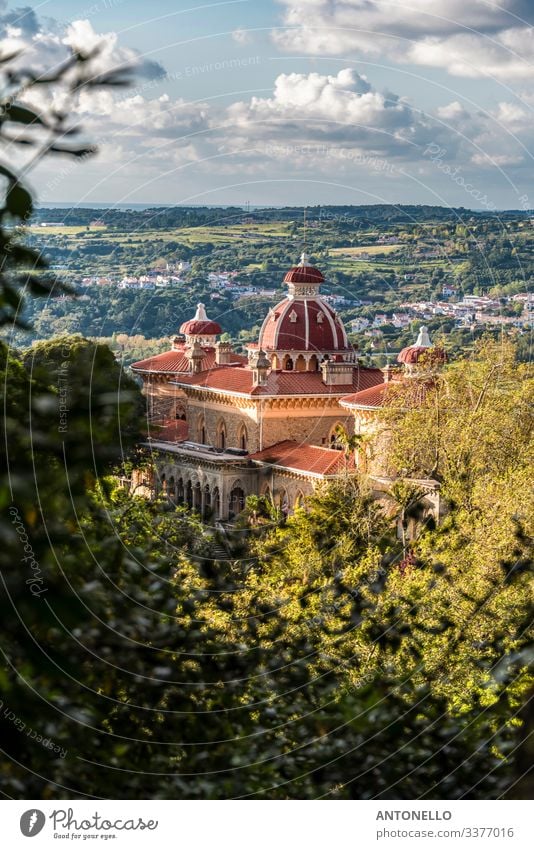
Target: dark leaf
7,57
19,201
22,115
73,151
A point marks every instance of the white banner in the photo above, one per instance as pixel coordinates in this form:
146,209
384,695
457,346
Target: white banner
268,824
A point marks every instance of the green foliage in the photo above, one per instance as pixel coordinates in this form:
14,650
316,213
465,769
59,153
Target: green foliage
306,664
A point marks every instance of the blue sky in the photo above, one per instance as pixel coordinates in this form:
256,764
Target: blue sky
299,101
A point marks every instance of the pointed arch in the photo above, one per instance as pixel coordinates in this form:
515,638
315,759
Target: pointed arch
201,429
221,435
283,502
333,437
287,363
313,363
242,437
237,499
299,499
300,364
216,499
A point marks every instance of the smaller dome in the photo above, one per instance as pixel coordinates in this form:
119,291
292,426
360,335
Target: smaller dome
304,273
200,325
423,346
411,355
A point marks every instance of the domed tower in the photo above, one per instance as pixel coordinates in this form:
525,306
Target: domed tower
422,356
303,330
201,329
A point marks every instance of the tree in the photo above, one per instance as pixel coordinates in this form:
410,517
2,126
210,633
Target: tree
85,376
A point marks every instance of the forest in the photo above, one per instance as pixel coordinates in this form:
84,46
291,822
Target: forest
316,658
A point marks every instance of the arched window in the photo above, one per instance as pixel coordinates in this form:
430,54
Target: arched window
300,364
299,499
274,362
313,364
216,503
242,438
288,363
283,500
207,496
221,435
171,492
267,493
201,429
237,499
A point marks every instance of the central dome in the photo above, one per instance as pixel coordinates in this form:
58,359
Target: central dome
303,321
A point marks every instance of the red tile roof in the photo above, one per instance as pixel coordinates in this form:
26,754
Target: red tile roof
302,457
414,392
372,397
279,382
171,430
176,362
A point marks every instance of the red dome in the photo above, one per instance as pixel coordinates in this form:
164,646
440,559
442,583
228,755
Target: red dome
307,324
200,325
303,274
413,353
196,327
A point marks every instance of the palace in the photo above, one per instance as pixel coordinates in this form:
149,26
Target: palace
225,426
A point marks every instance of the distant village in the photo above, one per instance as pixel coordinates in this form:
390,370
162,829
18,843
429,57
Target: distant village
468,311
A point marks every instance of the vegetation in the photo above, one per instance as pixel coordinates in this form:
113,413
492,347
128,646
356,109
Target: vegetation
317,660
314,662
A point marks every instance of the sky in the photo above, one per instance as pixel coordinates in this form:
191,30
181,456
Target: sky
295,102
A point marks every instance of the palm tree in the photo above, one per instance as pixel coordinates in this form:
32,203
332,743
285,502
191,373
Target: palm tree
350,443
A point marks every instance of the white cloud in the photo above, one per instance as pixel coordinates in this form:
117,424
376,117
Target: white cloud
44,45
469,39
242,36
338,110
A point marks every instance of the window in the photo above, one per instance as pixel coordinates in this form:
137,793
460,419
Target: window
221,435
243,438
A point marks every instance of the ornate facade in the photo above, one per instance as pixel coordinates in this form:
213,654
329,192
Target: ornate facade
225,426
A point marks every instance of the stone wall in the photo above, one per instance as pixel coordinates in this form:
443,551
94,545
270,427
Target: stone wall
233,418
315,429
164,401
